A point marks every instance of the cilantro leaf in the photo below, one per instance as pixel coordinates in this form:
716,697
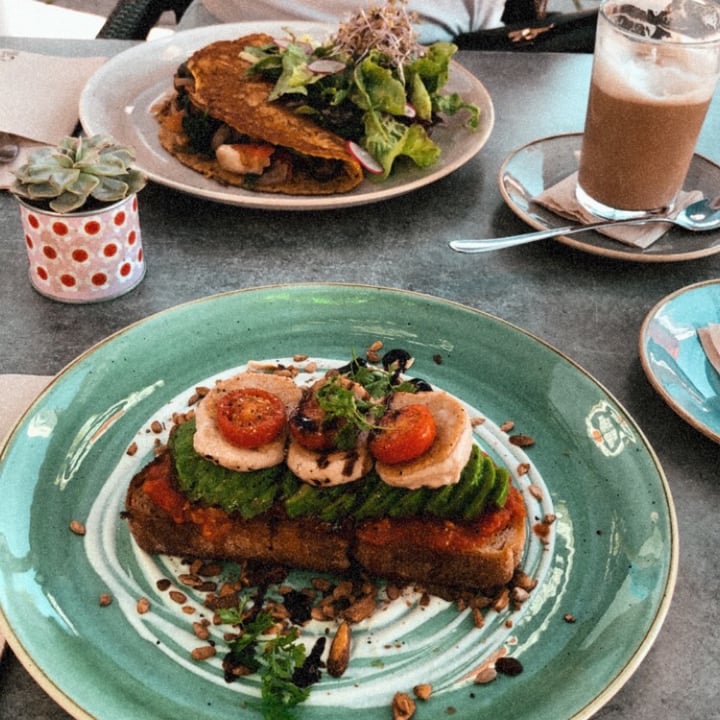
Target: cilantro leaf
279,659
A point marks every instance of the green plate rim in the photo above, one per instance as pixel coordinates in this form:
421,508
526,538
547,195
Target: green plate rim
589,705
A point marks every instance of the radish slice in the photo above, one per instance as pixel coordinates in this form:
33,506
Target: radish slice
364,158
409,111
326,66
284,43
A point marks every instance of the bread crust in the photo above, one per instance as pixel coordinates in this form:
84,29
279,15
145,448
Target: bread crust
479,555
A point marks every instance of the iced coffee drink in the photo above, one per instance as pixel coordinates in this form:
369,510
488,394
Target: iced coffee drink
655,69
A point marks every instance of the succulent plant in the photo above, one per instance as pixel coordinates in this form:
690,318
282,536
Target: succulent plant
67,176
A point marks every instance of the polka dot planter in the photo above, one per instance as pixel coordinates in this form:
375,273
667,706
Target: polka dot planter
85,256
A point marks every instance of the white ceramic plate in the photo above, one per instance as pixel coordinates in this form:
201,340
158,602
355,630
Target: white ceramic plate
119,97
674,360
528,171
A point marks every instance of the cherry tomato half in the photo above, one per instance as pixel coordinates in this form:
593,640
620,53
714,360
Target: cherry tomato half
404,434
250,417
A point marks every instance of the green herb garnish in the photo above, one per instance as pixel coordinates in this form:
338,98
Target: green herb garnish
343,408
278,661
387,89
274,658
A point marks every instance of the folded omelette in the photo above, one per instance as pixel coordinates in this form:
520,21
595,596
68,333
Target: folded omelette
220,122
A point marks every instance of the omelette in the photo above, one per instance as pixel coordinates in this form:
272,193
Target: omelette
220,123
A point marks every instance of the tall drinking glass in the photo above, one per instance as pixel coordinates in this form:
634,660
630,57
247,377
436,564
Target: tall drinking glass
655,69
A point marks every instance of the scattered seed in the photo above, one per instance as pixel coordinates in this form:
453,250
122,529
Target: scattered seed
478,618
201,630
519,595
523,580
190,580
156,427
403,706
569,618
423,691
523,468
339,655
204,652
132,449
77,527
105,599
508,666
143,606
321,584
542,530
178,597
502,600
536,491
520,440
163,584
485,676
507,426
361,609
180,418
209,570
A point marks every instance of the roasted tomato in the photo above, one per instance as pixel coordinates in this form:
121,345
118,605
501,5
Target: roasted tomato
310,426
403,435
250,417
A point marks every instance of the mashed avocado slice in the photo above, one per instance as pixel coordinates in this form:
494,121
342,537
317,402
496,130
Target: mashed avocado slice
250,494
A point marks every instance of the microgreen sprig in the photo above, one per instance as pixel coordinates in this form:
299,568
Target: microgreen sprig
274,658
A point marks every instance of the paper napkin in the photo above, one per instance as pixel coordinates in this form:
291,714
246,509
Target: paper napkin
41,94
18,391
560,199
710,340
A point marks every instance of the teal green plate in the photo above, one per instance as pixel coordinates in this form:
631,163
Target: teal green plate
673,358
605,572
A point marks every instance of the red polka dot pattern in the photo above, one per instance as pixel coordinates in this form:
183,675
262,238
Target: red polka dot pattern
84,257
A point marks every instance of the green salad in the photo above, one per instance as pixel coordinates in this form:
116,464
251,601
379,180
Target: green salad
371,83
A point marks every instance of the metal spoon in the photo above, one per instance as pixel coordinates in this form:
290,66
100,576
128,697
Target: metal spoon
699,216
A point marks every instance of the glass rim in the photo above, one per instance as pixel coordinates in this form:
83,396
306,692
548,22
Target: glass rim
685,41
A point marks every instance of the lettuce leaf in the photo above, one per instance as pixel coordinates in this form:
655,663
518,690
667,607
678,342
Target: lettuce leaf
377,89
370,97
295,75
386,139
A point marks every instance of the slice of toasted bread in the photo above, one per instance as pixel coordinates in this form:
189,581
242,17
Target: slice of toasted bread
199,532
479,555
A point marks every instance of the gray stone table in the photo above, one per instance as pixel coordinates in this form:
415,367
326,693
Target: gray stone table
588,307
